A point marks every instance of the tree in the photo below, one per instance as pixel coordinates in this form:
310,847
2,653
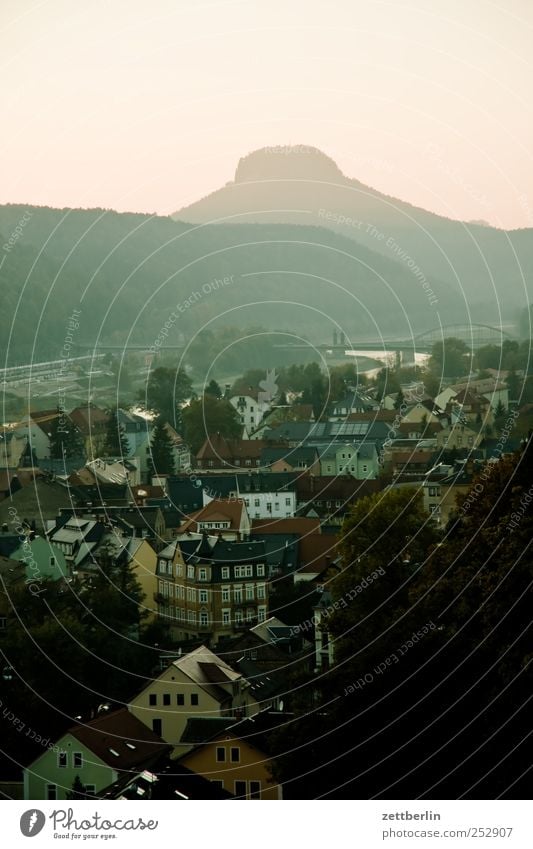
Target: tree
208,415
116,443
161,450
79,790
500,414
166,391
65,438
213,388
400,399
450,358
431,683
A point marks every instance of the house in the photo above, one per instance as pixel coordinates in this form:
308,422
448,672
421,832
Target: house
112,470
36,428
351,402
98,753
285,459
268,495
39,502
43,561
357,459
165,780
199,684
219,453
443,484
459,435
469,407
215,589
329,498
180,450
317,553
359,427
221,517
251,408
408,465
492,390
239,758
92,422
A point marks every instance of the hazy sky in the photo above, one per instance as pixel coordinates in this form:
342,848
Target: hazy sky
148,105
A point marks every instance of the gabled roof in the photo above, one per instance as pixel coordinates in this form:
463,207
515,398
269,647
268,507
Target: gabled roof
217,510
317,552
217,447
199,664
119,740
87,418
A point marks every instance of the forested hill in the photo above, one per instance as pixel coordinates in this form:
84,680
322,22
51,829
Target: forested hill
128,272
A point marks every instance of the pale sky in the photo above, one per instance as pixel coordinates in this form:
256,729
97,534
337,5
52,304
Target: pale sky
147,106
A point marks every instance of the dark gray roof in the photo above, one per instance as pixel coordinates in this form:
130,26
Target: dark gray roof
225,551
202,728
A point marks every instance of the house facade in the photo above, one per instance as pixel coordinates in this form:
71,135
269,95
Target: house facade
213,588
199,684
96,753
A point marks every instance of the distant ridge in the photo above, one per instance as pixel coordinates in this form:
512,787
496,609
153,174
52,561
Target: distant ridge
299,184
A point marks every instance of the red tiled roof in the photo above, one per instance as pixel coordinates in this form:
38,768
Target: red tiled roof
218,510
316,552
217,447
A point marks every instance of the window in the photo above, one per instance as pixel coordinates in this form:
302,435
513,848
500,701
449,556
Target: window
221,754
190,572
248,572
240,789
256,502
238,617
365,467
203,597
62,760
180,699
288,502
203,574
225,573
157,727
51,791
152,699
249,592
194,698
166,699
52,561
226,617
218,783
204,618
237,594
260,591
261,614
255,789
90,789
225,593
77,760
260,571
235,754
269,507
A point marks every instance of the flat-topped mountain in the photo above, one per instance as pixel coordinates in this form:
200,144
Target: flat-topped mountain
301,185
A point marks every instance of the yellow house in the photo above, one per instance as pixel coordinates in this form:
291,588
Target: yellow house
141,557
197,684
237,758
